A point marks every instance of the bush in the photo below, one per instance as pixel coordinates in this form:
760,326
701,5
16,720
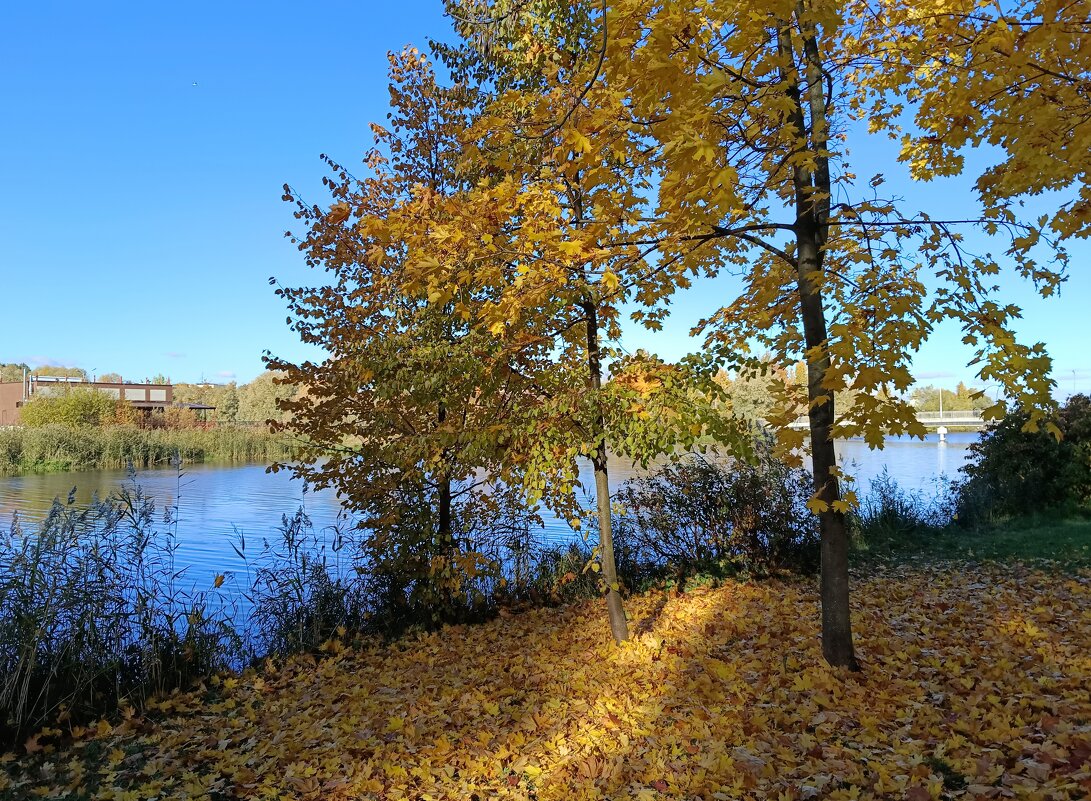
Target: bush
393,574
695,512
1012,472
77,406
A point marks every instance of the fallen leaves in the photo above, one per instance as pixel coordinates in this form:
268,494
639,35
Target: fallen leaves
974,686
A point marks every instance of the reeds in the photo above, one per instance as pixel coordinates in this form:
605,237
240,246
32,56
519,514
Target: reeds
58,448
95,615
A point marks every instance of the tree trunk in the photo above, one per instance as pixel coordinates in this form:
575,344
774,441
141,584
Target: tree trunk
445,541
836,620
812,200
444,538
616,611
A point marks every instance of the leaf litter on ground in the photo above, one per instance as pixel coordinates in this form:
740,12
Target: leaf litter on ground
975,685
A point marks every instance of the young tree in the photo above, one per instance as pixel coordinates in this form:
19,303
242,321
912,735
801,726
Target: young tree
540,228
408,413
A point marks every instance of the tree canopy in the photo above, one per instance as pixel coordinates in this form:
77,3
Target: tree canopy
588,162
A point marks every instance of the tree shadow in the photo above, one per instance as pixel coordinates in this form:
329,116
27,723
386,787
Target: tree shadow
720,691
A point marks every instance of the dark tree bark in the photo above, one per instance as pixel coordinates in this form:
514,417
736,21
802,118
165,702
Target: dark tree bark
807,90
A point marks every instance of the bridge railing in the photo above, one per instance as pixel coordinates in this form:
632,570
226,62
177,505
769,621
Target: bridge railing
942,417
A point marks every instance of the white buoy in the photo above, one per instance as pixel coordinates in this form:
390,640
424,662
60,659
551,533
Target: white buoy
942,431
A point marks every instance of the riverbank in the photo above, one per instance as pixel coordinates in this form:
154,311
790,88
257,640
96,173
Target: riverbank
1053,541
57,448
974,683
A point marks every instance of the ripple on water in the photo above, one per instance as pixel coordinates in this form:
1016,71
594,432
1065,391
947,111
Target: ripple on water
217,503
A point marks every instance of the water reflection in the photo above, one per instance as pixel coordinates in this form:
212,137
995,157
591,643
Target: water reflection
215,504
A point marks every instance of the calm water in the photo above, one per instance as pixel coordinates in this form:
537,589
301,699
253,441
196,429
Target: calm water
217,503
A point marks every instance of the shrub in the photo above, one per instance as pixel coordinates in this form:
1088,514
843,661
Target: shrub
77,406
389,574
1011,472
889,515
696,512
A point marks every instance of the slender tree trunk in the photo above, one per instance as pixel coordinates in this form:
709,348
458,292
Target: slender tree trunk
444,532
445,541
812,196
616,611
836,619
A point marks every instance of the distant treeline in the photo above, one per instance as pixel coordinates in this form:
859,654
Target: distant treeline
59,448
253,402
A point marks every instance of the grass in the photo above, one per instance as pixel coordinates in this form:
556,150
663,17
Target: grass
58,448
1066,541
1060,539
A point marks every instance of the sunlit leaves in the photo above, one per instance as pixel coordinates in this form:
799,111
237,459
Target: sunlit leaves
975,688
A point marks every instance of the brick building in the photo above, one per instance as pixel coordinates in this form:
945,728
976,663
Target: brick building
13,394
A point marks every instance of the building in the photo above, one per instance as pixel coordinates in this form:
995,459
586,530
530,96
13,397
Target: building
13,394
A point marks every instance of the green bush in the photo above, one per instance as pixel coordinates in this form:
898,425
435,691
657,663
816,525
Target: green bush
77,406
1012,472
889,516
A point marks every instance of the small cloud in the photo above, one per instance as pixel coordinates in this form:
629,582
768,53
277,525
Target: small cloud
173,354
225,374
931,374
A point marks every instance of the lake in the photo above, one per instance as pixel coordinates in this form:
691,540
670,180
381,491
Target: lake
216,502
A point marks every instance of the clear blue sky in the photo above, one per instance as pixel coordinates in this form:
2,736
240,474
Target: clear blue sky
142,151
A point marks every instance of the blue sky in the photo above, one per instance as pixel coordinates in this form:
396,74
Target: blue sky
142,151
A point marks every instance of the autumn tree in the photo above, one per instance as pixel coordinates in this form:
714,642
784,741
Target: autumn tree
1012,75
741,115
260,400
227,404
13,371
407,414
963,398
540,228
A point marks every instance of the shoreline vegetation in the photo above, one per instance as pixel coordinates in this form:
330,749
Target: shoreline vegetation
59,448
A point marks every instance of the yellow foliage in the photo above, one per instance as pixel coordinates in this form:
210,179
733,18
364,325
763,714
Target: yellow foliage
976,678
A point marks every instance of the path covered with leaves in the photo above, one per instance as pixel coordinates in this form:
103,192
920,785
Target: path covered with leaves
975,685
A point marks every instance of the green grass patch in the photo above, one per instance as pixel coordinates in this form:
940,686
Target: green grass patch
1061,540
